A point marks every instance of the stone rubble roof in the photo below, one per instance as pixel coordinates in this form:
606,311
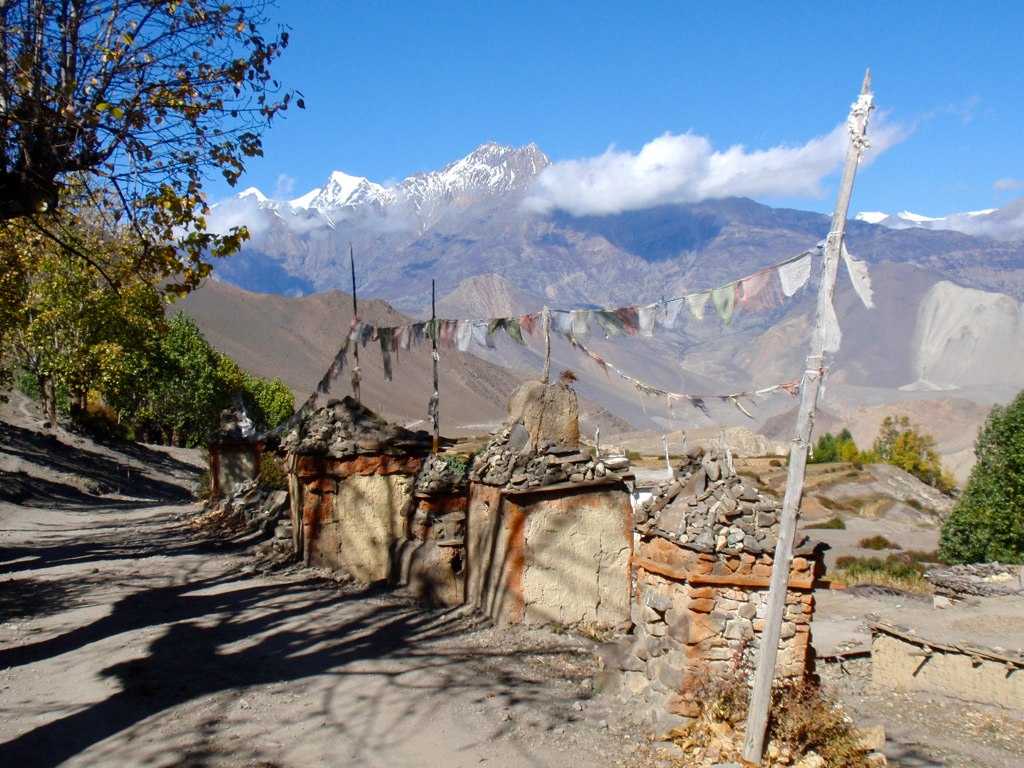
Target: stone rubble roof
508,461
347,428
709,508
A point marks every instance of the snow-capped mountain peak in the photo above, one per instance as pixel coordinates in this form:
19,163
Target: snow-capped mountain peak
254,193
1005,223
304,201
343,190
917,218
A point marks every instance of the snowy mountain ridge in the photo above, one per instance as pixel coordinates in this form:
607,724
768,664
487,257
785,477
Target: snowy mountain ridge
490,170
905,219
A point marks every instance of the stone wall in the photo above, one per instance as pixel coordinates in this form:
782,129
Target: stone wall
431,559
697,614
551,556
352,512
904,660
232,465
702,565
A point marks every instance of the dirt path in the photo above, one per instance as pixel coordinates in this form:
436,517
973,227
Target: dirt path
125,642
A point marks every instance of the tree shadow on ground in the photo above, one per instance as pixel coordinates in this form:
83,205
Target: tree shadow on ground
278,641
103,472
30,597
152,538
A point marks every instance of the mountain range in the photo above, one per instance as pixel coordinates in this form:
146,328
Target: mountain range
945,327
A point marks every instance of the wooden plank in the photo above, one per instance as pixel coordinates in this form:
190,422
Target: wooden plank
597,482
731,580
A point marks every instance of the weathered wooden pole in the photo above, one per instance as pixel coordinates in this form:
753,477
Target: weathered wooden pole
435,398
355,319
760,698
547,345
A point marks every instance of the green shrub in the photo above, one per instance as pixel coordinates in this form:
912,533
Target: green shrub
272,475
878,542
27,384
987,523
832,524
458,463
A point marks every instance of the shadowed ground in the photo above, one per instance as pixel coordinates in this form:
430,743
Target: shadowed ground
125,642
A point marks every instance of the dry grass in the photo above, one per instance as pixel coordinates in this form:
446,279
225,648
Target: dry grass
832,524
803,719
901,571
878,542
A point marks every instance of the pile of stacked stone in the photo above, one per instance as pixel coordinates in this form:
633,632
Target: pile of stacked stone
709,508
348,428
259,508
510,461
443,473
977,580
703,560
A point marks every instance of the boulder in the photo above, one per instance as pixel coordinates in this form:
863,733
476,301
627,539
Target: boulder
549,412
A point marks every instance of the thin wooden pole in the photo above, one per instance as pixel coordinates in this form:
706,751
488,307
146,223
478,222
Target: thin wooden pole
355,318
760,699
435,401
547,345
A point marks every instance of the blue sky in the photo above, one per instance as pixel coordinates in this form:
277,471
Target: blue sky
398,87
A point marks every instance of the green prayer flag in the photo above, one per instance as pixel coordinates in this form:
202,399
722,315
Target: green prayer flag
724,299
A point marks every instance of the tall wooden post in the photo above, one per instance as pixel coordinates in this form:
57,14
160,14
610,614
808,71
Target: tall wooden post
546,377
435,401
355,318
760,699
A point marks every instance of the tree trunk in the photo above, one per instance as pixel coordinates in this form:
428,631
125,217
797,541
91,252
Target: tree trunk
49,401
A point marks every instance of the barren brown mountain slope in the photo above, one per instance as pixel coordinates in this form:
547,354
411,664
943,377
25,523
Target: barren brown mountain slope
294,339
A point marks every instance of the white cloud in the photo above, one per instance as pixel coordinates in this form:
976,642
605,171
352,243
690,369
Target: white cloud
284,186
236,212
682,168
1008,184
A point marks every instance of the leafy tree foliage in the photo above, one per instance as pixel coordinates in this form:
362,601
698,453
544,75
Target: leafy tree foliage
138,100
831,448
64,323
987,523
900,443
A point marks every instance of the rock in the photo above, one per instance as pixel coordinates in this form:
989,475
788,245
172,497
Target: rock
877,759
739,629
549,412
941,601
810,760
872,739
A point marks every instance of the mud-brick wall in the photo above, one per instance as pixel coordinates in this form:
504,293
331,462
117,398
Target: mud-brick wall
349,513
232,464
700,614
556,555
432,557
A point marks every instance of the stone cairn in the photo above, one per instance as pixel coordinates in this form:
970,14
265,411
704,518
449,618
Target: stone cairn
709,508
347,428
441,496
703,558
510,461
977,580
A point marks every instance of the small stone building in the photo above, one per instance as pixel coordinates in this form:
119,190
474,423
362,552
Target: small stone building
234,453
702,568
351,484
549,526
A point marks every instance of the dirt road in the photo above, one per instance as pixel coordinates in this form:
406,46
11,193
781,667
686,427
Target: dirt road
125,642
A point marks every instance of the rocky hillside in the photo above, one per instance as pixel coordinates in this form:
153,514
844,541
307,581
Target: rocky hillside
473,218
